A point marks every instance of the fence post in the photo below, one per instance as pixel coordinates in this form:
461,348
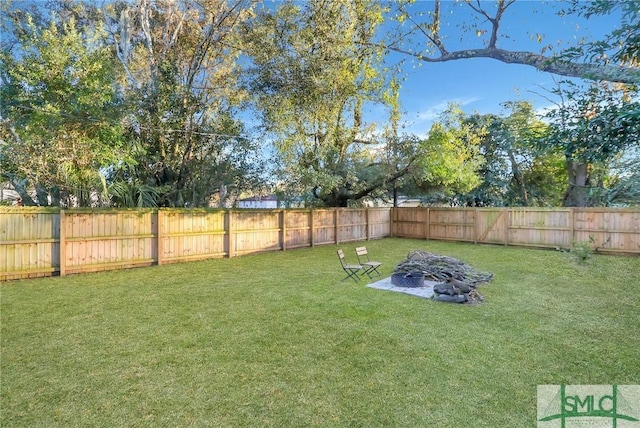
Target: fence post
283,229
230,240
506,226
336,217
366,216
427,232
63,244
160,236
392,221
572,227
476,229
312,228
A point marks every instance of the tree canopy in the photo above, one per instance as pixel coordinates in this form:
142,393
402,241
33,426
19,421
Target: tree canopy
592,127
180,80
61,122
311,79
197,102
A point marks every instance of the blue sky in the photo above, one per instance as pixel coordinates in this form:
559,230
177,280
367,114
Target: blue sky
483,84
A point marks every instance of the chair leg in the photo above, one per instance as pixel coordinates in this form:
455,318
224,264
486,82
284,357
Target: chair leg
353,274
370,271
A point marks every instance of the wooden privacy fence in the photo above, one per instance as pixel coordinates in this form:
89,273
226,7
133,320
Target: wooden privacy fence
42,242
606,229
45,241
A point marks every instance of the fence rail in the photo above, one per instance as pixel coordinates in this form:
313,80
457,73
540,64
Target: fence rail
44,241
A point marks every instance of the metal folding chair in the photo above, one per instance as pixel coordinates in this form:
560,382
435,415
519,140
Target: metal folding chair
369,267
351,270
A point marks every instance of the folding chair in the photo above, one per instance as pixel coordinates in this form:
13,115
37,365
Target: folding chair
370,267
351,270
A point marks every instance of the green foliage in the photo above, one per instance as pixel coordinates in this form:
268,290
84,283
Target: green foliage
622,187
622,44
60,122
314,72
595,125
137,103
180,81
147,109
513,170
582,251
592,128
438,166
450,156
123,194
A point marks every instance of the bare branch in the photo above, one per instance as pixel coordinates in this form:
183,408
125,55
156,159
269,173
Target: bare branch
432,32
479,9
555,65
591,71
435,29
495,20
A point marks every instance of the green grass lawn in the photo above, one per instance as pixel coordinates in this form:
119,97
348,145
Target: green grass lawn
276,339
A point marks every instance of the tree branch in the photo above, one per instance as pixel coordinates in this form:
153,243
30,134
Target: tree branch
380,183
556,65
610,73
435,29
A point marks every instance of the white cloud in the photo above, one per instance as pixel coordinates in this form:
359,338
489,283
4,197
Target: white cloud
434,111
421,123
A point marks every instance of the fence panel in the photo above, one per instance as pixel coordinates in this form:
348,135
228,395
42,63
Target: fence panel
254,231
492,225
102,240
454,225
297,226
352,224
411,222
324,227
614,231
540,227
379,223
186,234
607,229
29,242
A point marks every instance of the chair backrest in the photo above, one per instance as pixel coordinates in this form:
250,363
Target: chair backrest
362,252
341,257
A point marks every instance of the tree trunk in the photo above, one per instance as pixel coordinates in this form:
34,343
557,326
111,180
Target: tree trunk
223,195
395,193
19,186
577,194
517,176
43,195
337,198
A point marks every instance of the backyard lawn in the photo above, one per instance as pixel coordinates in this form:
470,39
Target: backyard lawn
277,340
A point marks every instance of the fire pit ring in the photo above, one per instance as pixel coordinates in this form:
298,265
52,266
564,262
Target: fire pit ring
408,279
